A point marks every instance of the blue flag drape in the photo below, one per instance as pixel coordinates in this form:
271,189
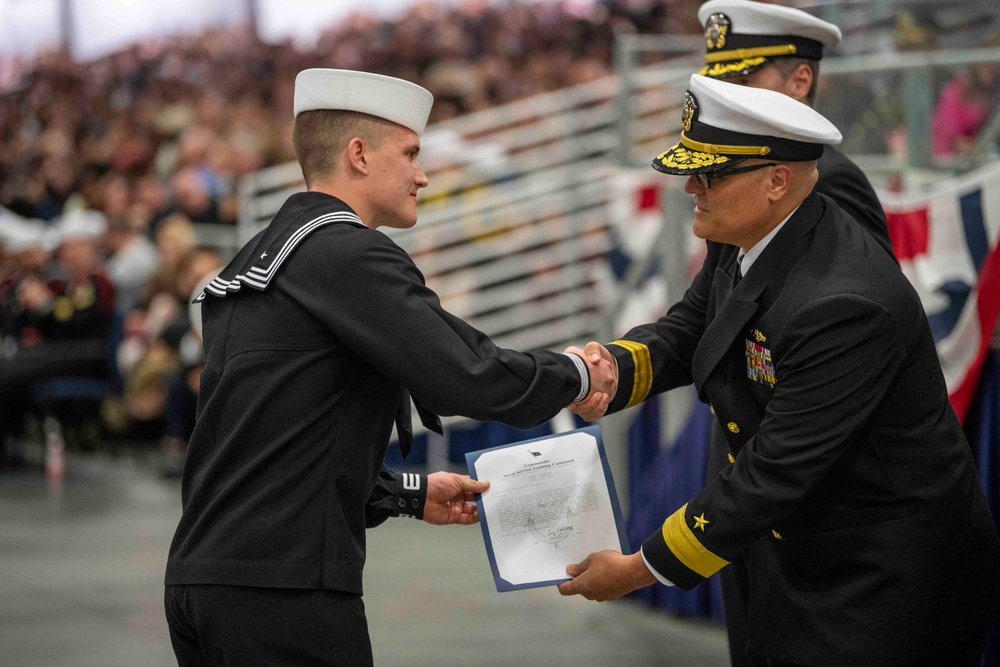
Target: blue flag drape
661,480
982,428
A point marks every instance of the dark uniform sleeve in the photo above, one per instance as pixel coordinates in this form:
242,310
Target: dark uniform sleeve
843,181
396,494
377,305
655,357
835,360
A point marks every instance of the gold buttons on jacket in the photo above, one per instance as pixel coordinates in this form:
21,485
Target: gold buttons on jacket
776,534
731,459
733,427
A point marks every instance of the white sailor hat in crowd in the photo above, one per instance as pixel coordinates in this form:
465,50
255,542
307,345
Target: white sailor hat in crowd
76,225
725,124
744,35
19,234
386,97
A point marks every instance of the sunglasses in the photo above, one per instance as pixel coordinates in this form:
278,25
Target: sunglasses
705,180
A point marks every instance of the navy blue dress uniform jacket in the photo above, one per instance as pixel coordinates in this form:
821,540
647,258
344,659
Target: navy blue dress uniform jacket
312,334
852,493
843,181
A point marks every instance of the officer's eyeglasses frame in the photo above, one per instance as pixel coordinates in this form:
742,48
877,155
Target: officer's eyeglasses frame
705,180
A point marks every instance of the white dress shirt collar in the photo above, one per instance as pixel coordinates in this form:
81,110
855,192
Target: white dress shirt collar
751,255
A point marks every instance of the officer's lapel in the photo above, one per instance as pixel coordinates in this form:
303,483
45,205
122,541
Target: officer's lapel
732,316
736,310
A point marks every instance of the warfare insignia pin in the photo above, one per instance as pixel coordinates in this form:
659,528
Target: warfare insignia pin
688,111
84,296
758,336
716,29
760,367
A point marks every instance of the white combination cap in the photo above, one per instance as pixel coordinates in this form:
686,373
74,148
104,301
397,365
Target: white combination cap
744,35
87,224
396,100
725,124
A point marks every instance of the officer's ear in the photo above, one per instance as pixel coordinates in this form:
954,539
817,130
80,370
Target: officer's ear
781,182
356,157
799,83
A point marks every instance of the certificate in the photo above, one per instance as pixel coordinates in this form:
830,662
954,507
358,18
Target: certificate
551,502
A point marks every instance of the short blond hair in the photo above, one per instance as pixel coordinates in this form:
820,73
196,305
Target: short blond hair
319,137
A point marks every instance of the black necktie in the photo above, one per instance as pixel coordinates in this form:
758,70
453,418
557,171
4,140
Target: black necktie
737,272
404,422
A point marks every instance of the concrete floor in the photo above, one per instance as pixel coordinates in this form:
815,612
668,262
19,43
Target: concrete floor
81,569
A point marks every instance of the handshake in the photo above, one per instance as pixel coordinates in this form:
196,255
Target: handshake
603,381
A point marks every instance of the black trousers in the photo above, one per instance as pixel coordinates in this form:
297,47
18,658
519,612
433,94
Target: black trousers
242,626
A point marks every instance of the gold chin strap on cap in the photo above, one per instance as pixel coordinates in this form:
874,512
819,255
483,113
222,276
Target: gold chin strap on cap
716,149
758,52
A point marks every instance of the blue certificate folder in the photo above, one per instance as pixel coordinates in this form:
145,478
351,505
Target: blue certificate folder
472,457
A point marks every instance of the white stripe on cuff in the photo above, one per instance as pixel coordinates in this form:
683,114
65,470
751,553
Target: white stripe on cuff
581,368
659,577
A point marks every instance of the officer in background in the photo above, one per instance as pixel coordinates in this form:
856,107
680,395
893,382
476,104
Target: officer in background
852,496
315,335
778,48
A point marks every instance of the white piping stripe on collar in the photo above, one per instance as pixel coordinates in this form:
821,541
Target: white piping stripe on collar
299,234
262,277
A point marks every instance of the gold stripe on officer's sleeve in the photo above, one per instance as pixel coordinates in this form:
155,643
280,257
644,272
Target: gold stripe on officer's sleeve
682,541
642,381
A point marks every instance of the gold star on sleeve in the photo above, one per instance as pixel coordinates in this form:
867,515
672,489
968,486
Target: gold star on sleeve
683,542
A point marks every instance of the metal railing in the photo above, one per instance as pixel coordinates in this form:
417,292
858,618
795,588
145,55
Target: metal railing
514,229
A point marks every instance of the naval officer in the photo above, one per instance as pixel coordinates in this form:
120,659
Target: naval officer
852,493
778,48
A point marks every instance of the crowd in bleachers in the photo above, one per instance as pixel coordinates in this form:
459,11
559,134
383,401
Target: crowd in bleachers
151,140
83,300
170,124
122,155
